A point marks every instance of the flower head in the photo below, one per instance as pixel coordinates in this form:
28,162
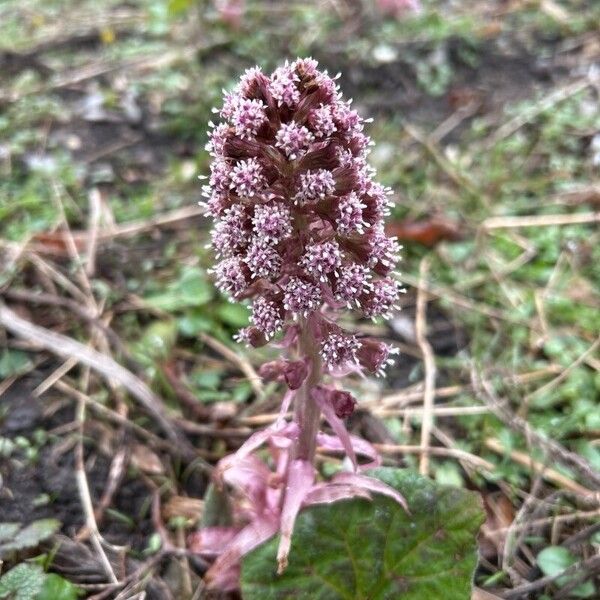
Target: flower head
339,349
266,316
314,185
292,139
382,298
231,233
351,282
262,259
350,215
272,222
230,276
321,259
301,297
247,178
248,116
284,86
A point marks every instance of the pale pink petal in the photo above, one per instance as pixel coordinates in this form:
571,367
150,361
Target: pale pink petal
224,573
289,338
362,447
301,475
285,405
211,541
250,475
372,485
338,427
348,369
326,493
257,439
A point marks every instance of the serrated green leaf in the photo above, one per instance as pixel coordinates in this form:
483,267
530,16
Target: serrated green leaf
30,536
358,549
22,582
57,588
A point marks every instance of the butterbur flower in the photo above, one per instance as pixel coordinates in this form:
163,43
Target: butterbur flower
299,230
301,297
293,138
272,222
266,316
248,116
247,178
374,355
339,349
321,259
262,259
314,185
230,276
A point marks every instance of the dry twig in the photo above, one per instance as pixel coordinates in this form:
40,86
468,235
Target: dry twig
516,423
430,370
107,367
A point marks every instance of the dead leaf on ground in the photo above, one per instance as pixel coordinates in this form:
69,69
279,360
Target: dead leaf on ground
428,232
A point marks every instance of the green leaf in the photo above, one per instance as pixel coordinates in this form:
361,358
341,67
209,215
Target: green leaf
158,339
192,289
57,588
30,536
13,362
8,530
358,549
554,560
235,315
23,582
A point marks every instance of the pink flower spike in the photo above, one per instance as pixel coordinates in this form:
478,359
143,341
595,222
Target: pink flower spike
301,475
372,485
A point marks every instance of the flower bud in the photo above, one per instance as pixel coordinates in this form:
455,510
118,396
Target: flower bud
373,355
295,373
344,403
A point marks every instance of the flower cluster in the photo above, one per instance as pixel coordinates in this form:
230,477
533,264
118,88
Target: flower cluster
298,216
299,231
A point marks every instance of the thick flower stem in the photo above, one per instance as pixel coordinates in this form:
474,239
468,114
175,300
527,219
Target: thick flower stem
307,414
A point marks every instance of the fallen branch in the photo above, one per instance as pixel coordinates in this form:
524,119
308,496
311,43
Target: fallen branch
525,460
554,450
104,365
430,370
540,220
